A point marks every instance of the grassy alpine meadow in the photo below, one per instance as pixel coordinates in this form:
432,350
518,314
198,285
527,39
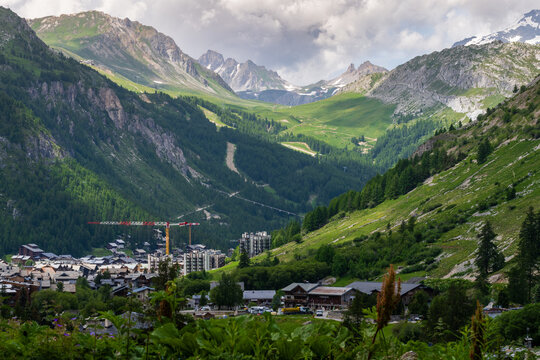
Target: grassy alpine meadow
213,117
335,120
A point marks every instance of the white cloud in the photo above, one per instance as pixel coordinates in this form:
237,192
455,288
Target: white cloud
305,40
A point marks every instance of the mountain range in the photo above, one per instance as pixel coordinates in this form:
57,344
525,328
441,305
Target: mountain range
526,30
251,81
76,147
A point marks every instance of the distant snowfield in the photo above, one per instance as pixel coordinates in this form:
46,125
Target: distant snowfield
526,30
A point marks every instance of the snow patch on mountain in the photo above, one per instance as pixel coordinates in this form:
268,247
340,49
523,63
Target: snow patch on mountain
526,30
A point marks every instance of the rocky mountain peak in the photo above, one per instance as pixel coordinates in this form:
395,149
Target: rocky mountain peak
246,76
351,74
138,52
211,60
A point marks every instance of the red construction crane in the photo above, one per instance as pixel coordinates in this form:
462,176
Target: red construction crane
150,223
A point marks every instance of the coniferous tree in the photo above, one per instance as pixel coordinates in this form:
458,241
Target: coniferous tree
355,314
419,303
488,258
244,260
484,149
528,258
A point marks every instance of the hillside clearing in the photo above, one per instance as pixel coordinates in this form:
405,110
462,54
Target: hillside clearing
299,146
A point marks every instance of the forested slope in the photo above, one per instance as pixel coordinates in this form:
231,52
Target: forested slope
159,156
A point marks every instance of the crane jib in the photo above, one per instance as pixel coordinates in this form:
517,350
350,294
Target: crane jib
142,223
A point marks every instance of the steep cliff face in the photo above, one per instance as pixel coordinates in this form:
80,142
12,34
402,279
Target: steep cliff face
138,52
460,77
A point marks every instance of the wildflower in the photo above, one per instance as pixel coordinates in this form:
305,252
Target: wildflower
66,334
92,333
73,319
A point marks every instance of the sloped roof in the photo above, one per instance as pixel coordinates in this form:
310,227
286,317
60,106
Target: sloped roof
258,294
138,290
330,291
305,286
368,287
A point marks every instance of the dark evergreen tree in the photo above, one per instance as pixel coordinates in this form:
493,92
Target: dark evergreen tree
488,259
484,149
244,260
517,285
354,315
450,310
528,257
166,272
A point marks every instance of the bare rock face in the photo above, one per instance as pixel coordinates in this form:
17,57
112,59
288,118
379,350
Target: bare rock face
107,107
43,146
444,77
112,105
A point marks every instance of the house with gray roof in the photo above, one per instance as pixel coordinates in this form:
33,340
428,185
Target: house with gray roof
296,294
407,290
330,297
260,297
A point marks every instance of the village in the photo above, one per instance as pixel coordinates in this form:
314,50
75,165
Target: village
33,269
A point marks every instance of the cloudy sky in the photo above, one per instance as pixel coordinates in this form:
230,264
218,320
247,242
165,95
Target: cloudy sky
304,40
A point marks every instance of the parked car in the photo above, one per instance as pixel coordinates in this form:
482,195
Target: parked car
255,310
305,310
319,313
205,308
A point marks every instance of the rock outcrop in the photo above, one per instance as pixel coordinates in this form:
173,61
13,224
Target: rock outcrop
451,76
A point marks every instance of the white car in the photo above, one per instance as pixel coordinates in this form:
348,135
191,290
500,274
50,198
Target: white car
319,313
205,308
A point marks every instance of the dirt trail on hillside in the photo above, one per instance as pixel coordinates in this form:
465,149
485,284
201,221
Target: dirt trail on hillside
231,148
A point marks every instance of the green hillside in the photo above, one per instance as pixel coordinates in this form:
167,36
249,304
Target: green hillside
335,120
368,230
